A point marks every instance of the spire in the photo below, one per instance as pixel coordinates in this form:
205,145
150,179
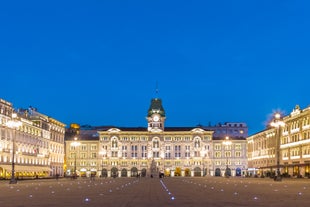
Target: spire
156,91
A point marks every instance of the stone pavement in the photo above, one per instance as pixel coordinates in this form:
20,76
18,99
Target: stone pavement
151,192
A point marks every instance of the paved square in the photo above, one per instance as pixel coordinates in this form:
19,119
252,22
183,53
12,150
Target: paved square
151,192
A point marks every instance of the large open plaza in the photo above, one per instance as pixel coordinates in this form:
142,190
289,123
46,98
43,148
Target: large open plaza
166,192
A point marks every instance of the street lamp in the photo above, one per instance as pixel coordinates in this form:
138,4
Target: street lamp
277,123
75,144
227,143
13,124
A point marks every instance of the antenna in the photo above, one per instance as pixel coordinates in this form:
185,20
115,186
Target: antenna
156,91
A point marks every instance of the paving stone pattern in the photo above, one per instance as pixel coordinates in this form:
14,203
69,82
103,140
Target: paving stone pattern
155,192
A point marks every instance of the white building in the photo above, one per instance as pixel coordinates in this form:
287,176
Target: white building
130,151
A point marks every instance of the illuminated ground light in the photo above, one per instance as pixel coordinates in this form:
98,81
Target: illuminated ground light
165,187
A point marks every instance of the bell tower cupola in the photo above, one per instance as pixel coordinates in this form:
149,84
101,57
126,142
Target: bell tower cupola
156,115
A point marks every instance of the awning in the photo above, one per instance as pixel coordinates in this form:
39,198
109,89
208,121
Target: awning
26,168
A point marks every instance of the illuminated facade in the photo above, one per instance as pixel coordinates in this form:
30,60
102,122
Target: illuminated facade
146,151
294,147
38,144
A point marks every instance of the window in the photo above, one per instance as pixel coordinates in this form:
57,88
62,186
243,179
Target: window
238,146
197,154
83,147
93,155
197,143
217,147
218,154
134,149
114,143
177,154
156,154
167,138
237,154
124,154
93,147
143,151
83,155
177,151
227,154
155,144
114,154
187,154
125,138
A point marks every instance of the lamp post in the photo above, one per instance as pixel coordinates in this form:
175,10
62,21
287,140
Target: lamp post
277,123
13,124
75,144
227,143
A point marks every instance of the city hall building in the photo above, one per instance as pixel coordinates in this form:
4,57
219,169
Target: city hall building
156,149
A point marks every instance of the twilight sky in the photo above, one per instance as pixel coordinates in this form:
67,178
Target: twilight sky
98,62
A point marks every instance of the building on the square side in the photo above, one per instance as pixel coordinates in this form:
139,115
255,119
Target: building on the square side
294,148
156,149
36,143
229,149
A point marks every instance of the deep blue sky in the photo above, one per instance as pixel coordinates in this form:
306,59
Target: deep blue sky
98,62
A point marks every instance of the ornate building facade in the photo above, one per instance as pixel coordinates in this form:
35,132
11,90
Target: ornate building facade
155,149
35,146
294,147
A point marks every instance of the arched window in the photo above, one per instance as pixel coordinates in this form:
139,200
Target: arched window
155,143
197,143
114,143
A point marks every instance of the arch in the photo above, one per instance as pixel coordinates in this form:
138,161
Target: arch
238,172
197,142
167,172
114,142
93,172
177,171
124,173
155,142
134,172
104,173
114,172
217,172
227,172
187,172
143,172
197,172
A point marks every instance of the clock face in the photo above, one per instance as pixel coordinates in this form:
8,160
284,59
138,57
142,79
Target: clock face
156,118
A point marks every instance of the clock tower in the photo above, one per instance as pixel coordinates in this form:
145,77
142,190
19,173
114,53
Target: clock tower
156,115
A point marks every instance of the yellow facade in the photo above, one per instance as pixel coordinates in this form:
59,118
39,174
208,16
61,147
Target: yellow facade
294,154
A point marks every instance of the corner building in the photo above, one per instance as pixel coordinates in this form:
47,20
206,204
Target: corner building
37,144
294,147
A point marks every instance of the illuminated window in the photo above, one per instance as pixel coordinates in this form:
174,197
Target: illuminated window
93,155
218,154
217,146
93,147
238,154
